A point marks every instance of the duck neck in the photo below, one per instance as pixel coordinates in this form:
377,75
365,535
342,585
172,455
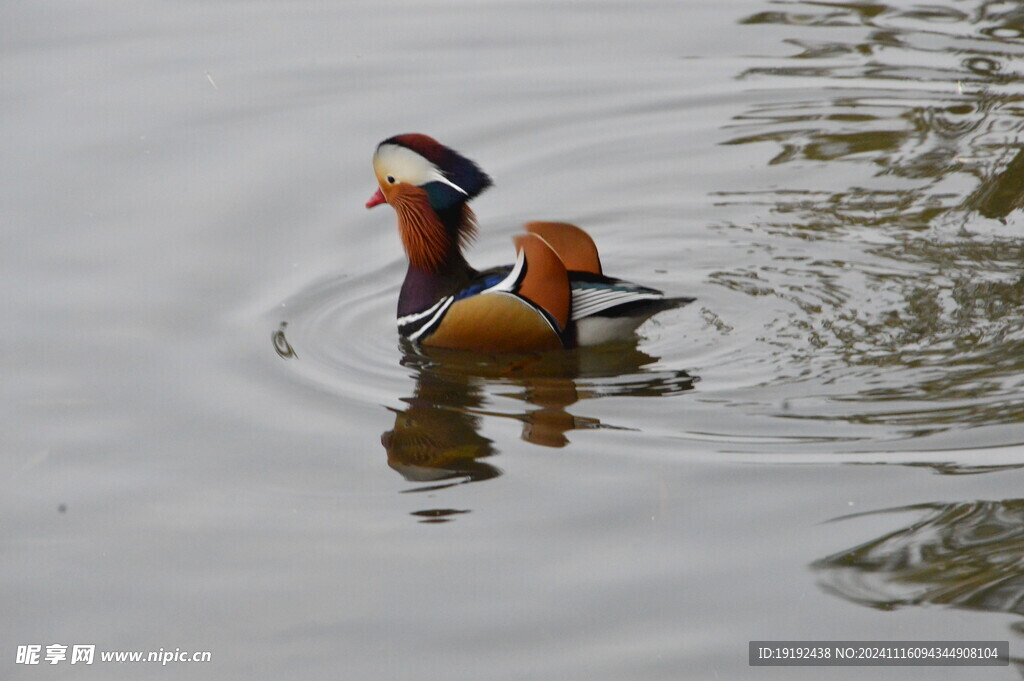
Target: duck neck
423,288
433,241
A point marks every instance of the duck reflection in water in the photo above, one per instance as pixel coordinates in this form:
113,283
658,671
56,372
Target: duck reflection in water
966,555
436,437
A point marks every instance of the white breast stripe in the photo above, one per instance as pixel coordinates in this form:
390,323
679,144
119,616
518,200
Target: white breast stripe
433,320
409,318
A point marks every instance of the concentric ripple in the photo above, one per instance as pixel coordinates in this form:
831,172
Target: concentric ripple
860,291
338,337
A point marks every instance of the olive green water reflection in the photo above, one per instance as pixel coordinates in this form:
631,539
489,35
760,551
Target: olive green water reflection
964,555
908,152
967,555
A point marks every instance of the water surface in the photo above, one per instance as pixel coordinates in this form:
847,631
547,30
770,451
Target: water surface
216,442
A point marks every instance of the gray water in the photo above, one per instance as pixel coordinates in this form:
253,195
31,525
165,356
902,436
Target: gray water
215,442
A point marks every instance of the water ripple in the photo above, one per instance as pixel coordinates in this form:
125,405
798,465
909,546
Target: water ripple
909,311
860,291
967,555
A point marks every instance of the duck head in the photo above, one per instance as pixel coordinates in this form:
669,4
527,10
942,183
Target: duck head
412,160
428,185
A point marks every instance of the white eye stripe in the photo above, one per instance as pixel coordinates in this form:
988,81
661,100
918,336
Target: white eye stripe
406,165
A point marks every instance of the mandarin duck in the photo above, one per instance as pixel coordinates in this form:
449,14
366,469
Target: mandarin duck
554,296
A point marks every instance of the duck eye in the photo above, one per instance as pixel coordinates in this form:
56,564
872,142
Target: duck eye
391,180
